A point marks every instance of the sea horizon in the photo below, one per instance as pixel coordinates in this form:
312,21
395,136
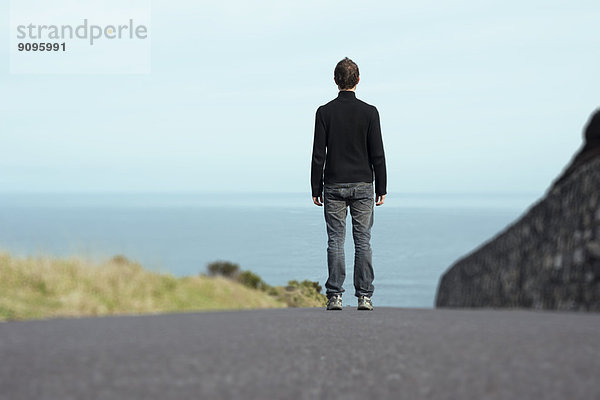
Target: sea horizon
279,236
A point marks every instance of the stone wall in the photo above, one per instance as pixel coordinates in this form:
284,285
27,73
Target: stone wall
548,259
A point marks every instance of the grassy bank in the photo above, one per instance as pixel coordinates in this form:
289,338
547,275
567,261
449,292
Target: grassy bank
42,287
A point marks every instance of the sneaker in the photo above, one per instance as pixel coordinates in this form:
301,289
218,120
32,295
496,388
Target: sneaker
334,302
364,303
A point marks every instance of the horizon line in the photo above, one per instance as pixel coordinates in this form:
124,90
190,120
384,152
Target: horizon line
257,192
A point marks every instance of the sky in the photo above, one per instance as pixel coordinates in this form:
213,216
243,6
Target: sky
474,97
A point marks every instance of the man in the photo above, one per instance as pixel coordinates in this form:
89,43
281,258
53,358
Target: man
349,146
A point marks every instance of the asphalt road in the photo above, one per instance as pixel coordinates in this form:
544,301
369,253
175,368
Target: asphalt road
388,353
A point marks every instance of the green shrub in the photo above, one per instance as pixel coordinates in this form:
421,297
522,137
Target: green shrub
120,259
306,285
295,294
223,268
302,294
313,285
250,279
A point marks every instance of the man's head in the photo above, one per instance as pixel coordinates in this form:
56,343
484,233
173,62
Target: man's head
346,74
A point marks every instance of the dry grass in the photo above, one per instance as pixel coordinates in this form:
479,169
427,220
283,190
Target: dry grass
41,287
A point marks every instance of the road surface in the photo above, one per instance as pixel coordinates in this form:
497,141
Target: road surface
389,353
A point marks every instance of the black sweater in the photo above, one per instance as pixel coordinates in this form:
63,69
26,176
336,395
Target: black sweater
348,143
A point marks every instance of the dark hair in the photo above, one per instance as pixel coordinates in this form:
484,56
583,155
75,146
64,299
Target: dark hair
346,74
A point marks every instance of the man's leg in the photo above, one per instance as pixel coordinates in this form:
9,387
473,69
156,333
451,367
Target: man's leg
335,209
361,209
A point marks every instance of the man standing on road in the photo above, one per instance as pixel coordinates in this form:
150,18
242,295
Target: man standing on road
347,154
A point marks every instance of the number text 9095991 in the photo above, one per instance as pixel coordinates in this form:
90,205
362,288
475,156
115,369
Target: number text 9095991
42,47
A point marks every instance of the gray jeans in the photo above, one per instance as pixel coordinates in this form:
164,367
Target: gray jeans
360,198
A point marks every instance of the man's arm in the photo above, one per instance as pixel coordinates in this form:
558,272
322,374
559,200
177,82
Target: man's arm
318,159
377,157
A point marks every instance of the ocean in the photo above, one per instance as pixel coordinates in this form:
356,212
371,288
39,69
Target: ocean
281,237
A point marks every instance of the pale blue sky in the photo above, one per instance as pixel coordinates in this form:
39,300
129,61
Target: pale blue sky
474,96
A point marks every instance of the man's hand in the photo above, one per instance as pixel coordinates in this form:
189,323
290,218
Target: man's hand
318,201
379,199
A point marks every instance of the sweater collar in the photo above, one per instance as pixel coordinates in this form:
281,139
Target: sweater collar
346,94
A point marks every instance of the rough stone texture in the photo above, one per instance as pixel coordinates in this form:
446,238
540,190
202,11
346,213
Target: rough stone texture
550,257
